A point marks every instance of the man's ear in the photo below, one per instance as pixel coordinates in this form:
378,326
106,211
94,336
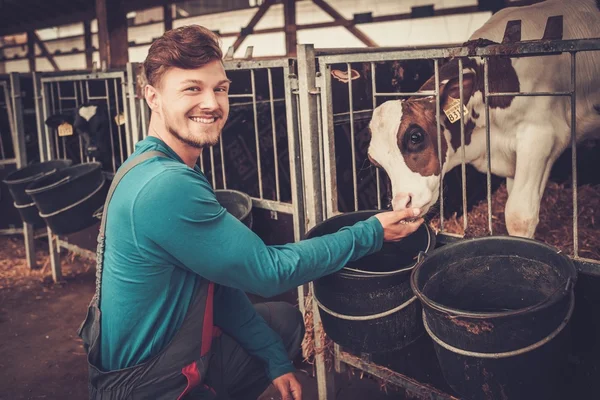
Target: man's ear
152,97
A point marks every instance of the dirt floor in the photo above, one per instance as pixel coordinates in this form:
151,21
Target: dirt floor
41,355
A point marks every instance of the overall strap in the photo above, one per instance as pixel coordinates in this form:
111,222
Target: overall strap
118,176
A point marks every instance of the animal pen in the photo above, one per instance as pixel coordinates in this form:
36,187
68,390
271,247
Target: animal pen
297,153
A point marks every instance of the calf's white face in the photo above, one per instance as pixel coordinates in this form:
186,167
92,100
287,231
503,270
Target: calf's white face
404,143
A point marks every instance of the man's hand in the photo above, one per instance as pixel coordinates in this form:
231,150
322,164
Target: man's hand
288,386
399,224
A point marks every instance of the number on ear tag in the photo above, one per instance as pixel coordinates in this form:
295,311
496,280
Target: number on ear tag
452,110
65,129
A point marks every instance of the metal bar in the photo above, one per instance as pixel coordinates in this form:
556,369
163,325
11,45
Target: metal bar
87,254
38,112
528,94
400,94
7,161
374,99
486,82
110,128
54,256
247,65
421,391
131,115
202,160
312,189
45,105
462,144
352,141
52,100
439,138
274,129
526,48
574,153
76,107
256,134
273,205
212,167
11,116
119,130
83,77
223,165
241,96
329,161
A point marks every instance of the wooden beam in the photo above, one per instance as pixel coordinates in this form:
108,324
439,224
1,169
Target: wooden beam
346,23
87,40
291,38
112,33
262,10
31,50
45,51
168,16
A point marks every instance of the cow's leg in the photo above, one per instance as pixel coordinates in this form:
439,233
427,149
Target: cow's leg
535,158
509,184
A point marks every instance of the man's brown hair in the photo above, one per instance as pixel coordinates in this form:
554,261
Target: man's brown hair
188,47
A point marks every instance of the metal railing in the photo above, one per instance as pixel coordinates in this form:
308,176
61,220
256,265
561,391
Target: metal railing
65,94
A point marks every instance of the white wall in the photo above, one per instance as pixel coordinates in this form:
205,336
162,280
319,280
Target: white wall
428,31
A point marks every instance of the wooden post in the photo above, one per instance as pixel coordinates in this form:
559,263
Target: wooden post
112,33
291,39
168,17
31,50
87,39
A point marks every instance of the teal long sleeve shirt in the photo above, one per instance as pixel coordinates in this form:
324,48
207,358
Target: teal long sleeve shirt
165,229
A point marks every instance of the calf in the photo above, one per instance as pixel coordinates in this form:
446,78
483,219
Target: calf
527,133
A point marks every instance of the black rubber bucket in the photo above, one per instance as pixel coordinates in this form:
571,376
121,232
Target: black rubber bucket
68,199
498,311
18,181
368,306
237,203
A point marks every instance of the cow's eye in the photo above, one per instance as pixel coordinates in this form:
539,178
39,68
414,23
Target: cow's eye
416,136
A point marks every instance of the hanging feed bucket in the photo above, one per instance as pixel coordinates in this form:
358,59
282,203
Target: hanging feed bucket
67,200
497,310
18,180
368,306
237,203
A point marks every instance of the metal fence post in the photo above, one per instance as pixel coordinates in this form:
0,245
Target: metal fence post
313,198
21,157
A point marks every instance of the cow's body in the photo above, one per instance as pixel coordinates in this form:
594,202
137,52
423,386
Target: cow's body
527,133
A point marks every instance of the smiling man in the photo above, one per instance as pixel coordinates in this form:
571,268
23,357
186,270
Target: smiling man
170,318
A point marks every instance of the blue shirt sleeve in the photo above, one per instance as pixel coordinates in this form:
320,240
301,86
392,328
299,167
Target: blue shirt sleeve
236,316
179,212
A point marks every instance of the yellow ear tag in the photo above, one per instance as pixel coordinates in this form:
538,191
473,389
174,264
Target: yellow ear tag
120,119
65,129
452,110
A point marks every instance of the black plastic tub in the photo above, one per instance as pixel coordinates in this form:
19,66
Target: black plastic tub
498,311
368,306
30,214
67,199
67,186
20,179
237,203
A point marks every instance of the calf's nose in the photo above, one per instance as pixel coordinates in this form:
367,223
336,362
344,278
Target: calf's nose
401,201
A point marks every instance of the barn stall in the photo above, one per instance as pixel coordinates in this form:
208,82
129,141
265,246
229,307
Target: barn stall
471,206
296,143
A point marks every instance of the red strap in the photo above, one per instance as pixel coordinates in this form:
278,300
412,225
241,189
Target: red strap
193,378
207,329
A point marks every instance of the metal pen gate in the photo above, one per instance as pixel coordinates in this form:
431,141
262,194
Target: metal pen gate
12,148
326,141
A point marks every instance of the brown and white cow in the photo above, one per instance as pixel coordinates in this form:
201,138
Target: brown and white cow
527,133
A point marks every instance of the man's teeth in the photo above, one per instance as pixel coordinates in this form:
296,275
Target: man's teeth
203,120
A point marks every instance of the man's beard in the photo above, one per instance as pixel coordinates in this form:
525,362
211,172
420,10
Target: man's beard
198,143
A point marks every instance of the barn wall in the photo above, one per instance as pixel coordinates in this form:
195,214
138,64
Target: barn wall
429,31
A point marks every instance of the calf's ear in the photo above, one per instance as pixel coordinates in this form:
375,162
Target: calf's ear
451,89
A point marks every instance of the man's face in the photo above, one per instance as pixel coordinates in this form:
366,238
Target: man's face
193,104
